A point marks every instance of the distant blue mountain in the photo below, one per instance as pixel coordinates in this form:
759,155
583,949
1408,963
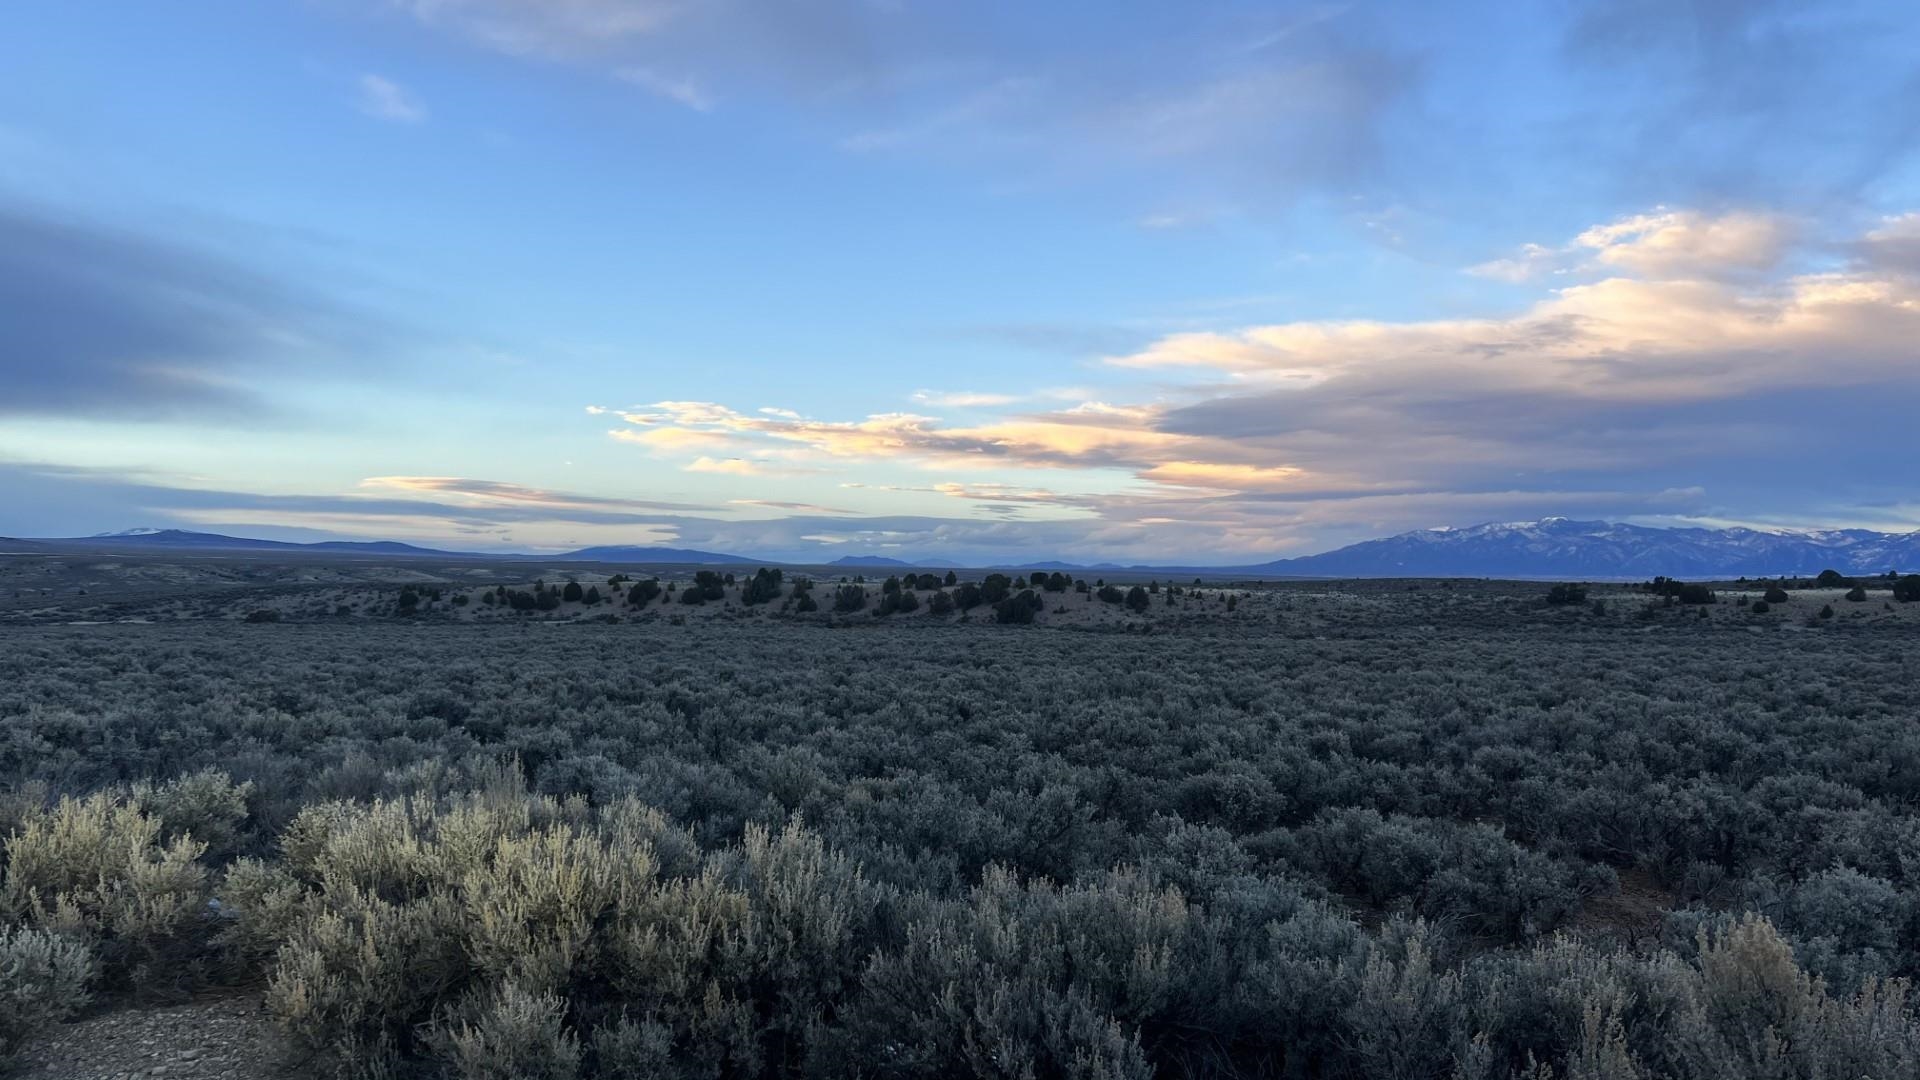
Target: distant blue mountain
1549,548
875,561
662,555
1561,548
181,538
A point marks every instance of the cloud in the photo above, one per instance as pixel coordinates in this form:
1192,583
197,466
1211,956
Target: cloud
1663,243
1615,339
1689,244
553,29
683,91
37,496
1206,123
1692,364
800,507
1305,110
1083,437
1743,99
675,438
813,49
1691,359
727,466
1893,245
961,399
497,492
385,99
1205,474
1532,261
106,321
1126,528
1006,496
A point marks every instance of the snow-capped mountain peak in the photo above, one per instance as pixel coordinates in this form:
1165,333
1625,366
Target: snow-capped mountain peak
1565,548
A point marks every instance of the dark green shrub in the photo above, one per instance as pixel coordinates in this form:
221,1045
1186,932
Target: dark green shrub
763,587
995,588
1567,593
1017,609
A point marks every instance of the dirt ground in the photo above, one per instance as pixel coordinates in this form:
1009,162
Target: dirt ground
228,1037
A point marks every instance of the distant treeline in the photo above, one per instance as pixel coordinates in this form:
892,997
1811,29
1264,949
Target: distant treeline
1005,599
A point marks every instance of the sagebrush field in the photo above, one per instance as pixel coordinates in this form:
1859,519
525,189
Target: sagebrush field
1342,831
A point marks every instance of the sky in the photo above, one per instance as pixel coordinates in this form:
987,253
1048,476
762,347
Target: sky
1116,281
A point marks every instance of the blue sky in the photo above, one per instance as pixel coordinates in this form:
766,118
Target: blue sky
971,282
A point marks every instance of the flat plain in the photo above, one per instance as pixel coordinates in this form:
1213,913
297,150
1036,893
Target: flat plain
1331,829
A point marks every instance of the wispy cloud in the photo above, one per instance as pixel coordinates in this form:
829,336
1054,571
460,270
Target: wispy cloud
727,466
384,99
503,493
962,399
551,29
104,320
682,90
1662,244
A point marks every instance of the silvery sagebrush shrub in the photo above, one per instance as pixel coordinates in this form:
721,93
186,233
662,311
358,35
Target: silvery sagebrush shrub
1403,1021
1025,978
535,903
1509,767
1754,1013
43,980
510,1033
362,973
678,957
98,868
809,914
258,905
205,805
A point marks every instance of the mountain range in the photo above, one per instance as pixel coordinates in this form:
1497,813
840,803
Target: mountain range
1549,548
1563,548
181,539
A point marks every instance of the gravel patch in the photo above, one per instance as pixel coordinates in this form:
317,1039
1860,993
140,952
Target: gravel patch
223,1038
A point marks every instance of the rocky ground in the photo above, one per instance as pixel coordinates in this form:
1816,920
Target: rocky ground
228,1037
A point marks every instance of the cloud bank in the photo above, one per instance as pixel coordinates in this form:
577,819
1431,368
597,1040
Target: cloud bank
109,322
1687,362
